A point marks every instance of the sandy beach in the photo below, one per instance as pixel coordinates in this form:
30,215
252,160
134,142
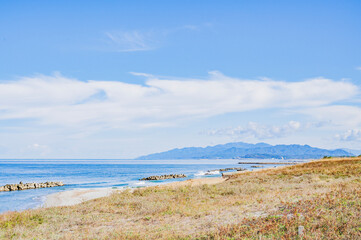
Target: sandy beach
76,196
243,205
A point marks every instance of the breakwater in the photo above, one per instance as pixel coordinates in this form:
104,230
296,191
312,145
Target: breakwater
26,186
228,169
272,163
162,177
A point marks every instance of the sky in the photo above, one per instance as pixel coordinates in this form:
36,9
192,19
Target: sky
120,79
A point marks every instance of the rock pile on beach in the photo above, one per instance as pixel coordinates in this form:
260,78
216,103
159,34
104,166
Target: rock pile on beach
162,177
25,186
233,168
226,169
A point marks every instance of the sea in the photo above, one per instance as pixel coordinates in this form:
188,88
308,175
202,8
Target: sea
90,173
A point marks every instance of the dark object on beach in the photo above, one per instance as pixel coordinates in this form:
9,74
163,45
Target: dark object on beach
272,163
25,186
162,177
255,166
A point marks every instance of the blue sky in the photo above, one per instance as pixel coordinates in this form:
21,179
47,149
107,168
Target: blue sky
118,79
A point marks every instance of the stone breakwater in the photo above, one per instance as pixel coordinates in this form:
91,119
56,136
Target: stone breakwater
162,177
226,170
272,163
233,168
25,186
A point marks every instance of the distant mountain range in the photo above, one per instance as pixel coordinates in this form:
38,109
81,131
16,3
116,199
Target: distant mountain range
247,150
352,151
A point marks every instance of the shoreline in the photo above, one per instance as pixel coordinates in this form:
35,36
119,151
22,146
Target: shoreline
247,205
77,196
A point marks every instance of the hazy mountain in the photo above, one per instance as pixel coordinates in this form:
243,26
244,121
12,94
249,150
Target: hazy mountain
353,151
246,150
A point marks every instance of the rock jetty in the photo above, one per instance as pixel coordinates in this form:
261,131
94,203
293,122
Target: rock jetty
233,168
25,186
227,169
162,177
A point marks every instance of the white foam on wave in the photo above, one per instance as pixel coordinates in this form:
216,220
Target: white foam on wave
202,173
140,183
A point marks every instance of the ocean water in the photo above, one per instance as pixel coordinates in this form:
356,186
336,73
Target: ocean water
78,174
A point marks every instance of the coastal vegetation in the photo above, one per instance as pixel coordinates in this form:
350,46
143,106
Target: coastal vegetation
316,200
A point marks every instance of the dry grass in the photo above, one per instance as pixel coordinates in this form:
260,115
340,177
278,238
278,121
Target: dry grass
322,196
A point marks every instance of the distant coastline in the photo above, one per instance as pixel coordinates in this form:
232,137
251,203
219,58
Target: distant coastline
239,150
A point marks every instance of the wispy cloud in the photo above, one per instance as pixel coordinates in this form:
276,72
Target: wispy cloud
263,131
358,68
132,41
341,115
57,100
42,150
259,131
350,135
145,40
147,75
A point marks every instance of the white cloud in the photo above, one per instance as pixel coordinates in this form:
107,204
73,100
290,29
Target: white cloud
339,115
131,41
258,131
36,146
147,75
350,135
42,150
57,100
146,40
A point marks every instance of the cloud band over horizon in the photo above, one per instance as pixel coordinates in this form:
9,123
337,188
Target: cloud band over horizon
69,102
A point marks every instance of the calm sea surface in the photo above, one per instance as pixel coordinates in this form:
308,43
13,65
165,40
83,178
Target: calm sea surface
77,174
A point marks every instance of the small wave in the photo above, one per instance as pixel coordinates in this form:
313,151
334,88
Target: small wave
121,185
38,198
140,183
37,201
202,173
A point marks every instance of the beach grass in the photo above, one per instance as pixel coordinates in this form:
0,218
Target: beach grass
316,200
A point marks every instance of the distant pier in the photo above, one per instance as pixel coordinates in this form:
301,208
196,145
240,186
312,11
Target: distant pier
270,163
